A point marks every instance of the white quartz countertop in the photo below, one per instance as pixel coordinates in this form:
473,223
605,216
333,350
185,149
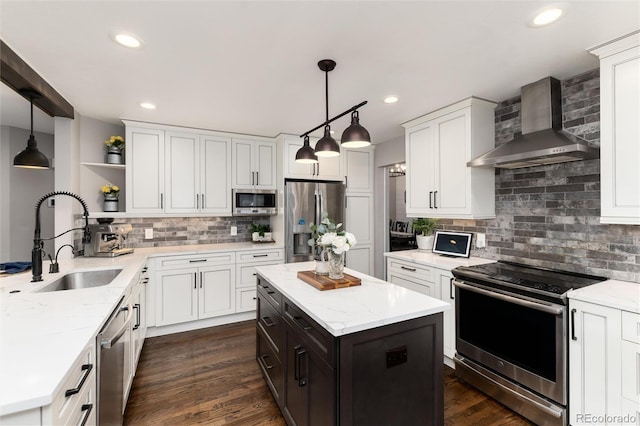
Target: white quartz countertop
622,295
372,304
42,334
437,261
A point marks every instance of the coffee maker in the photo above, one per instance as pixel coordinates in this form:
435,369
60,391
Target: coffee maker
108,240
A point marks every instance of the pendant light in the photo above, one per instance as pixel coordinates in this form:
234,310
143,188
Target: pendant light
31,157
306,155
353,137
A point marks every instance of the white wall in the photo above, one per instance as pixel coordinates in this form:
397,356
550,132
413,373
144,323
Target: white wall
20,190
387,154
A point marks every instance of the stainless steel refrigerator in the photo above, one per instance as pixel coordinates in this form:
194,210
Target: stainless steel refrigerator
306,202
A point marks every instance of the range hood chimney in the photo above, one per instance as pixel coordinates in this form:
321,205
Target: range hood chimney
543,141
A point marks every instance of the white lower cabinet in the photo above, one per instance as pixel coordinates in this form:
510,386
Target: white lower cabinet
75,402
446,293
246,274
194,293
415,277
600,387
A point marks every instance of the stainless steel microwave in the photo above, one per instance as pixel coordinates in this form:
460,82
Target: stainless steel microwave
258,202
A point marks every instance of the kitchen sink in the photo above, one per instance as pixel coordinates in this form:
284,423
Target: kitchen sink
83,279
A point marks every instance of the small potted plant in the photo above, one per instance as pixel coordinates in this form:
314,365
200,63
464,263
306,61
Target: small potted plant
115,145
260,232
110,193
424,227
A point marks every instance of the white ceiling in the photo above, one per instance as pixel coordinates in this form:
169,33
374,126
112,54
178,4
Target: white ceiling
250,66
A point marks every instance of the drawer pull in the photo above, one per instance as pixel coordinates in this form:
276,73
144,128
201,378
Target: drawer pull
271,292
304,324
261,255
87,370
267,321
87,408
264,360
145,281
197,260
406,268
297,375
254,274
145,269
451,288
137,308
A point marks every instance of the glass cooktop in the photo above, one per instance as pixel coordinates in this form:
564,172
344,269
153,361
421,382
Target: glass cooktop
525,277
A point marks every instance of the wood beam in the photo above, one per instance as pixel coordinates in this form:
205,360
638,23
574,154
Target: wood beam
18,75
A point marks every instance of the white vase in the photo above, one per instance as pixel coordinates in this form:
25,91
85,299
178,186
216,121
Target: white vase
425,242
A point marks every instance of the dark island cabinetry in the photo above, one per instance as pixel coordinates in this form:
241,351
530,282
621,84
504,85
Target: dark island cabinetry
391,374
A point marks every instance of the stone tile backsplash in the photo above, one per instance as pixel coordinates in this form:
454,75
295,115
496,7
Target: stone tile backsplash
549,216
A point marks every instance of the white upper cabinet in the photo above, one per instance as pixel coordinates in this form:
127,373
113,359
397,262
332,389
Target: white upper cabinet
620,129
328,168
438,146
198,173
358,169
145,170
254,164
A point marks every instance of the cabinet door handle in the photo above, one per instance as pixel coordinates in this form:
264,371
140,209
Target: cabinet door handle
197,201
573,325
161,200
195,280
346,181
451,288
264,360
197,260
267,321
201,279
435,194
430,195
257,178
406,268
304,324
87,408
261,255
136,306
87,370
317,169
297,375
145,281
202,199
145,269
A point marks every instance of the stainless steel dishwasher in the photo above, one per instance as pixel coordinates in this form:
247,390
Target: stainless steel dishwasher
111,359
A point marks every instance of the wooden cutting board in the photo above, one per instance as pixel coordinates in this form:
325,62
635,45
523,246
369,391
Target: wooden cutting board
323,282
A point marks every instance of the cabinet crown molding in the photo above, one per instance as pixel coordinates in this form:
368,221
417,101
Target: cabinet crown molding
614,46
471,101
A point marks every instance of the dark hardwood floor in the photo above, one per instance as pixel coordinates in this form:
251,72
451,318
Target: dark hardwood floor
210,377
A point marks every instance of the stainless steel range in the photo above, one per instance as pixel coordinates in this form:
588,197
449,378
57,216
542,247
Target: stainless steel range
512,335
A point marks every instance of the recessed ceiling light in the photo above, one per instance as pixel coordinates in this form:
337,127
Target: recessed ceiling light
548,15
390,99
127,40
147,105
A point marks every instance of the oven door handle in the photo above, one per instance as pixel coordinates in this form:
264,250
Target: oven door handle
522,302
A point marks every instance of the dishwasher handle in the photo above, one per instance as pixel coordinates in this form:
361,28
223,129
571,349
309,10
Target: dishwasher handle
107,343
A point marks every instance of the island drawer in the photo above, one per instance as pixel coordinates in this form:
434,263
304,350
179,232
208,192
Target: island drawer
410,269
271,366
322,342
270,322
270,293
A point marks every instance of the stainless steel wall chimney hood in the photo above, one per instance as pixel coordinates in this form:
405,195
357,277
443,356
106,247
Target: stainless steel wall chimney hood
543,141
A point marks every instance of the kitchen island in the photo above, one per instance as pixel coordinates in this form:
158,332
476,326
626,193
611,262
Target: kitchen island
369,354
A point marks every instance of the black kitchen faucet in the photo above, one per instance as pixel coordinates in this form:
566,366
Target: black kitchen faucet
38,243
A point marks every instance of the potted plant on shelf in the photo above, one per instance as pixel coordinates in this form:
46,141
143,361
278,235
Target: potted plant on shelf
424,227
110,193
115,145
260,232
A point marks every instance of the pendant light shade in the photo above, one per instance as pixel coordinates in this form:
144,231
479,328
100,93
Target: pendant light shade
327,146
31,157
306,155
355,136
